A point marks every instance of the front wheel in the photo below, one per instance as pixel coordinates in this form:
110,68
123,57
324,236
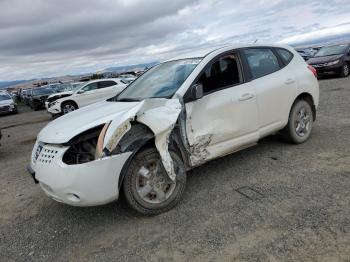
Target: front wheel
68,107
147,187
300,122
345,70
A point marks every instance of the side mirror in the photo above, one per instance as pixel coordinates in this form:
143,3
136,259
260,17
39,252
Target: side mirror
197,91
81,91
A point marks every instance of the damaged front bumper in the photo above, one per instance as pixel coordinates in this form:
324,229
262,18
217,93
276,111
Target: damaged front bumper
89,184
53,107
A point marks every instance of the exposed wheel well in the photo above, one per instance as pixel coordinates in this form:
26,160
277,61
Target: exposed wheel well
140,137
308,98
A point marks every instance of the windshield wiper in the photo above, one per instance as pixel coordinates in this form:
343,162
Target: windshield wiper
127,100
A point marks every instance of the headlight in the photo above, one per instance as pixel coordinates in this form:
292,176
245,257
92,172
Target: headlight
332,63
82,148
114,132
100,140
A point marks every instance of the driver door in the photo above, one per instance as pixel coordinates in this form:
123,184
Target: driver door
225,119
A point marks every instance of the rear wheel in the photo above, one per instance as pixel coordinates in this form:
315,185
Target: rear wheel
345,70
147,186
68,107
300,122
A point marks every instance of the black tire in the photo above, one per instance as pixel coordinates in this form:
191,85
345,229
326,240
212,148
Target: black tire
345,70
70,105
131,181
290,133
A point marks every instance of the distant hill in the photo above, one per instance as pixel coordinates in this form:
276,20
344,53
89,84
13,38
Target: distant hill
5,84
130,67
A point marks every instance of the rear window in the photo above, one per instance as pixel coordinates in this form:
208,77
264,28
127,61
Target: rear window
285,55
262,61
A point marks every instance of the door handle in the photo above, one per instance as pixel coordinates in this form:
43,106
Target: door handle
289,81
246,96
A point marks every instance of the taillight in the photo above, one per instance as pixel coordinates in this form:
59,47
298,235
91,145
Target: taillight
313,70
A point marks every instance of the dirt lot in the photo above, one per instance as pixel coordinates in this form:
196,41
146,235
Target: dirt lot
272,202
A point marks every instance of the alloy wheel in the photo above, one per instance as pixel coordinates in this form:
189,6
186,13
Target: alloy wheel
346,70
153,185
68,108
302,122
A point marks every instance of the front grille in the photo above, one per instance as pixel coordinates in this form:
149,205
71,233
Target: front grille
47,155
4,108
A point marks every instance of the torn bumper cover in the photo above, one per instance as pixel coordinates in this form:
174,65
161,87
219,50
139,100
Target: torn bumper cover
88,184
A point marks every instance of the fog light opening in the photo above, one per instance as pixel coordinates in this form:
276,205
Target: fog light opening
73,197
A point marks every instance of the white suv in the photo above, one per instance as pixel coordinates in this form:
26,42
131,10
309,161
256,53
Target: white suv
176,116
85,94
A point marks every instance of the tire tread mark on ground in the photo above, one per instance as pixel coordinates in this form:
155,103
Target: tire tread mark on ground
250,193
24,124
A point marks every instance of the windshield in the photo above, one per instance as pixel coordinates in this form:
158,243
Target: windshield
161,81
332,50
42,91
4,97
76,86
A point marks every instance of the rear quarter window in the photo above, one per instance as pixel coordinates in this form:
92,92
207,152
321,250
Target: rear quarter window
261,61
285,55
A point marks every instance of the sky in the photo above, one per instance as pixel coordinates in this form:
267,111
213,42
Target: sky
45,38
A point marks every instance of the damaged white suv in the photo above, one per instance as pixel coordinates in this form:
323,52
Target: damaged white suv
176,116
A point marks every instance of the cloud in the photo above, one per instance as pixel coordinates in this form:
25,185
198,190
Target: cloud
42,38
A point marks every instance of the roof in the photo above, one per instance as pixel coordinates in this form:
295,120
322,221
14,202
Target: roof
103,79
197,53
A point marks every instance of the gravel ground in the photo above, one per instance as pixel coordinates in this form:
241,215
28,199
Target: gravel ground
272,202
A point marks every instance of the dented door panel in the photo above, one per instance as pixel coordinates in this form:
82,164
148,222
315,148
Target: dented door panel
222,122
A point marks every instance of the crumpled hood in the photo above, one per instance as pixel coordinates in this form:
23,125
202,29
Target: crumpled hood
6,102
323,59
68,126
61,93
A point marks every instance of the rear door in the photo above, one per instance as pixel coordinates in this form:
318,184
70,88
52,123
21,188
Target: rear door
106,89
273,82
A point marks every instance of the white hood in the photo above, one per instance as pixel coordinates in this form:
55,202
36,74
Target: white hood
68,126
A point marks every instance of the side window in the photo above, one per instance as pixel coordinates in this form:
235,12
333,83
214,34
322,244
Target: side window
90,87
224,72
105,84
262,61
285,55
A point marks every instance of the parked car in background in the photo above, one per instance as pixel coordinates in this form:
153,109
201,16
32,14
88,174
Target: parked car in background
304,54
7,104
37,97
178,115
25,96
333,59
68,91
86,94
